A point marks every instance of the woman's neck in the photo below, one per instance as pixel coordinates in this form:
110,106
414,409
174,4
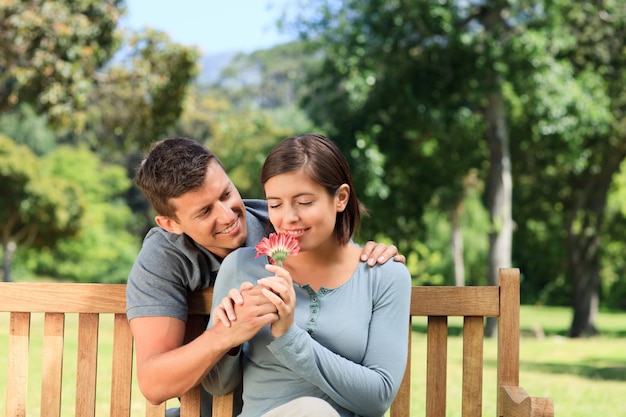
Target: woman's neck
328,267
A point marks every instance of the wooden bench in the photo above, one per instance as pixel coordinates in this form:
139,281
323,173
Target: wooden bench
91,301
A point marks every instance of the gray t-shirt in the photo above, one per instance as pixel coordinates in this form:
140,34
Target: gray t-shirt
170,266
348,344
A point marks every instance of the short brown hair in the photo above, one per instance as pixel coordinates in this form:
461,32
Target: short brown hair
320,159
173,167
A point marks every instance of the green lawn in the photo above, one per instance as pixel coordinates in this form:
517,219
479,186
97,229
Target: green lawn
584,377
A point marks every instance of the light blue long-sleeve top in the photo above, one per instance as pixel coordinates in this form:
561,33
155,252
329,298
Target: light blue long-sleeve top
348,345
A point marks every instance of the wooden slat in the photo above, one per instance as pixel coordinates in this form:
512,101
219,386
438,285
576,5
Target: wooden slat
199,302
509,328
436,366
190,402
87,364
155,410
52,370
17,366
515,402
223,405
122,367
63,297
455,301
472,397
401,405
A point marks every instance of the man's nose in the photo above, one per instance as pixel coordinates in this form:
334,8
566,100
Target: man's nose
225,212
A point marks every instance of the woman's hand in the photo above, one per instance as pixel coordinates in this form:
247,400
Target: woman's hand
279,290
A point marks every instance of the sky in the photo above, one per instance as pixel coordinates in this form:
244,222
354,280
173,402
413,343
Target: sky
215,26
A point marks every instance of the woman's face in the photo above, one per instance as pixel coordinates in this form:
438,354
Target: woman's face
303,208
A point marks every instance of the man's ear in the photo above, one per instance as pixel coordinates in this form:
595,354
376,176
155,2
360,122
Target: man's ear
342,195
168,224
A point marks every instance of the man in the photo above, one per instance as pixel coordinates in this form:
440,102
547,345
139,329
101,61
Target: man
201,218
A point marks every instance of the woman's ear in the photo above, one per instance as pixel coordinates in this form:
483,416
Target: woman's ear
168,224
342,197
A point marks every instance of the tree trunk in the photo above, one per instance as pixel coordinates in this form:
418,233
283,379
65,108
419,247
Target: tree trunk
583,244
500,193
585,303
8,250
457,245
499,182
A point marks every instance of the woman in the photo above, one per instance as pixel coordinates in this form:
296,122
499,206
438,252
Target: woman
340,329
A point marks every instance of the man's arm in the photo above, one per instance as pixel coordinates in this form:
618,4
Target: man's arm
167,368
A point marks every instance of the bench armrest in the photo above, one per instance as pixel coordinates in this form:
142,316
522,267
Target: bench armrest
515,402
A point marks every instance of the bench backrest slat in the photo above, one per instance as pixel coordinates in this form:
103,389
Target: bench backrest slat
473,334
54,327
17,366
436,365
122,363
86,364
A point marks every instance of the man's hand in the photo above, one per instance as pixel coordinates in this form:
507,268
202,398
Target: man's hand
257,305
225,311
380,253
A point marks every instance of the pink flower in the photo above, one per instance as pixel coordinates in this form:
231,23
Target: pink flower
278,246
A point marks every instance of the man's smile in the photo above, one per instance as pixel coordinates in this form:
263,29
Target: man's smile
234,226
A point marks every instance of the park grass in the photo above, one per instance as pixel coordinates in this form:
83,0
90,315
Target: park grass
584,377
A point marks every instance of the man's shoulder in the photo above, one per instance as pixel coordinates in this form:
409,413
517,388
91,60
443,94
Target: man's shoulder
257,221
158,238
256,206
161,247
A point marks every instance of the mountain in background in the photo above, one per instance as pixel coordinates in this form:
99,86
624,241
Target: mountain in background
211,66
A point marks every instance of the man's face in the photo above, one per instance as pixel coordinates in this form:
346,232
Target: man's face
214,216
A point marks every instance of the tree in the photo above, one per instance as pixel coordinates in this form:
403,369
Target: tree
241,138
37,208
103,250
573,108
25,127
421,92
50,50
141,94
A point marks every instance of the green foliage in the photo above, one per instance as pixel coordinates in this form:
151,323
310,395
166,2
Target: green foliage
104,250
139,95
404,86
613,261
241,138
25,127
38,207
50,51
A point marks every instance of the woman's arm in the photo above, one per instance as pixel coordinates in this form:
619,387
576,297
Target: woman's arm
253,313
368,387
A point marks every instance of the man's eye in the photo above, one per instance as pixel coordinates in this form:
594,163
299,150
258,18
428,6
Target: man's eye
305,203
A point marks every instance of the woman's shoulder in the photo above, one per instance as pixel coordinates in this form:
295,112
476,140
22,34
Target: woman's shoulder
243,256
392,266
391,274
